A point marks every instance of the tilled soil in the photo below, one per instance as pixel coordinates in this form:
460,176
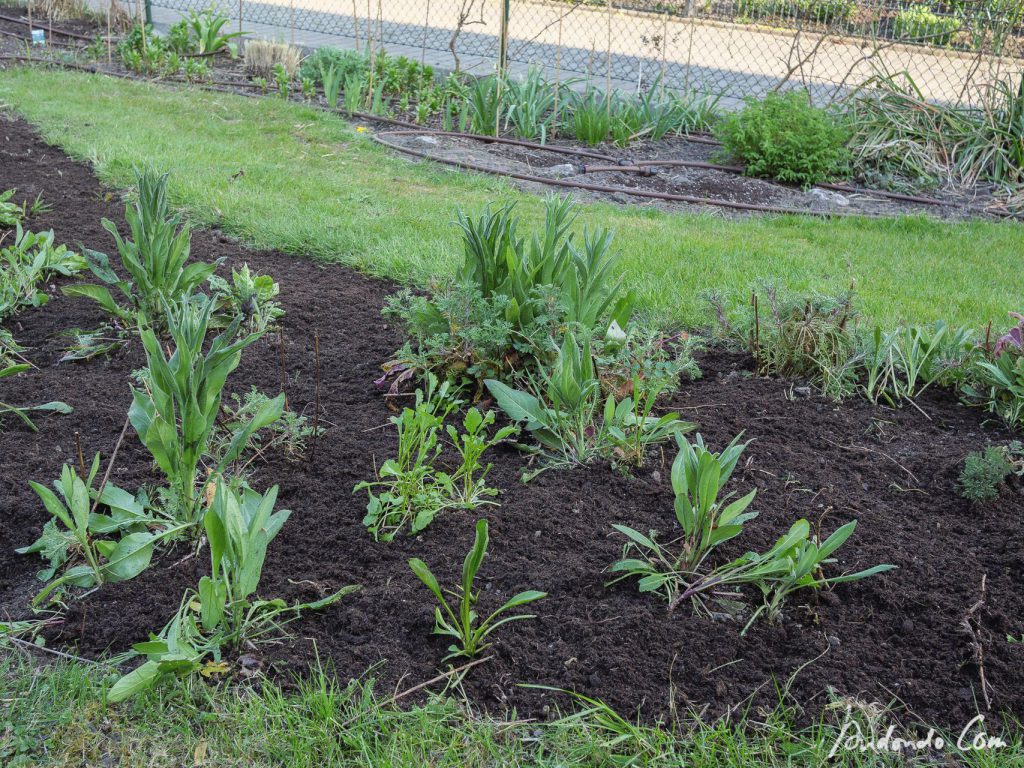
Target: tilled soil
897,637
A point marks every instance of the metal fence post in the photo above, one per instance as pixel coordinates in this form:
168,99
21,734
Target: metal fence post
149,11
503,36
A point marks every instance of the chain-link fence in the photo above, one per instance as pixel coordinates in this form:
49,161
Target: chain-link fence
735,48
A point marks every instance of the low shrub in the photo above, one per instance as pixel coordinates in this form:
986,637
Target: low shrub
784,137
985,471
920,24
345,63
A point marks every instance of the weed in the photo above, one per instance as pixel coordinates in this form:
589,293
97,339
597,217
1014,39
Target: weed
985,471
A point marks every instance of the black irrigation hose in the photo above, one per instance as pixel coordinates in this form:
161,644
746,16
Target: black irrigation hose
601,187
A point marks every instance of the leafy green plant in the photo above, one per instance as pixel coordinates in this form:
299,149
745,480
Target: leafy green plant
485,105
590,117
331,78
103,560
54,406
410,489
287,435
207,29
283,79
921,25
239,524
784,137
30,260
344,63
249,296
175,412
563,412
529,105
155,258
985,471
705,519
458,618
793,563
996,381
12,214
901,364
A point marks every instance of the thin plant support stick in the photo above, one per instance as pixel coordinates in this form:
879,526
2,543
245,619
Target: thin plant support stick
664,50
240,16
316,394
291,20
380,25
28,47
355,23
110,12
426,29
558,78
608,66
284,370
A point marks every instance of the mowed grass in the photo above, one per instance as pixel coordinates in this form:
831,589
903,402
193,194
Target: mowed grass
280,175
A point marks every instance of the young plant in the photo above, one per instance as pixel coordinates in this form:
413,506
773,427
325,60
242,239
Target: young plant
563,411
985,471
485,104
249,296
467,487
530,103
458,619
283,79
239,524
207,30
155,258
997,382
406,491
104,560
794,562
331,78
286,436
705,519
175,412
590,117
902,364
12,214
54,406
30,260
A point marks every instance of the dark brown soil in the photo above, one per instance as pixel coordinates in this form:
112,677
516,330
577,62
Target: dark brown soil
894,637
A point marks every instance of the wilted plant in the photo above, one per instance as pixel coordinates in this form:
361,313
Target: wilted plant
794,562
706,521
54,406
458,619
261,56
985,471
155,258
175,412
103,560
239,524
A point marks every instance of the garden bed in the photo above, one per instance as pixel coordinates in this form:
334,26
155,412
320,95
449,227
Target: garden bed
896,637
669,187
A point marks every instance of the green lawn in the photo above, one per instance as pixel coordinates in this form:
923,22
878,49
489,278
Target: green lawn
310,185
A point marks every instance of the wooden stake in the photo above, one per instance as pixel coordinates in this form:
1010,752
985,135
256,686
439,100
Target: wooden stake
426,27
316,395
558,79
608,66
110,12
78,452
284,370
355,23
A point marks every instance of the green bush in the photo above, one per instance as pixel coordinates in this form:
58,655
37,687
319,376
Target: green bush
347,63
822,11
784,137
920,25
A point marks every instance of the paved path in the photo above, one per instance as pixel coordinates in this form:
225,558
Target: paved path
735,60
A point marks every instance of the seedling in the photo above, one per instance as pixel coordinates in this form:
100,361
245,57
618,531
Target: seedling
458,619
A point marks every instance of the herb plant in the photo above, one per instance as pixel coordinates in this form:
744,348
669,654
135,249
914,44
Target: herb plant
705,519
456,616
102,560
985,471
